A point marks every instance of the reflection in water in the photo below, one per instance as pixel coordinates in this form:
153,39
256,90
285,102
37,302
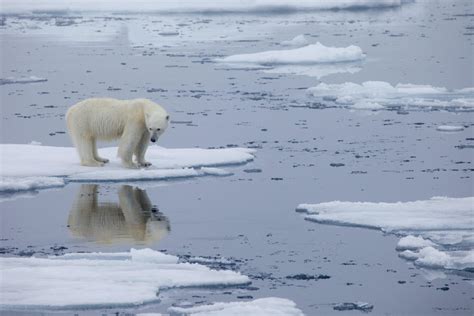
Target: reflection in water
132,218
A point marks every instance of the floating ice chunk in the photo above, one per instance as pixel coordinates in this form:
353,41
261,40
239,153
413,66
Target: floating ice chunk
13,184
436,213
387,96
196,6
116,279
205,260
366,105
361,306
310,54
450,128
413,242
271,306
446,222
297,41
431,257
21,163
215,171
23,80
318,70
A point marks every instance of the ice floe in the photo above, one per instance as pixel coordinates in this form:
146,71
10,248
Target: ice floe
315,60
101,279
438,233
379,95
196,6
450,128
310,54
28,167
271,306
22,80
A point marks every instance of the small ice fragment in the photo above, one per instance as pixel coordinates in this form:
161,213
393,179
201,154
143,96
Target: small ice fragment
299,41
450,128
361,306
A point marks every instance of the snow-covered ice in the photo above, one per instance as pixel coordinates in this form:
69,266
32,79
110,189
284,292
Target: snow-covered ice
12,184
27,167
189,6
101,279
22,80
271,306
314,60
310,54
438,231
380,94
297,41
450,128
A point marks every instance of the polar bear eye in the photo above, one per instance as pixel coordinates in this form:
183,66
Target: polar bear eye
167,117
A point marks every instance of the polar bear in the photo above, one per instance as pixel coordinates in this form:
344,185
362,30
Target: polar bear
135,122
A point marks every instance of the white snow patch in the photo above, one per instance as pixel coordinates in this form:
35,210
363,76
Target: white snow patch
450,128
297,41
196,6
315,60
271,306
317,70
446,222
413,243
13,184
431,257
101,279
385,95
22,80
215,171
310,54
25,167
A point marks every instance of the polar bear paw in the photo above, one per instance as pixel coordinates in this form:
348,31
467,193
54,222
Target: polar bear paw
92,163
144,164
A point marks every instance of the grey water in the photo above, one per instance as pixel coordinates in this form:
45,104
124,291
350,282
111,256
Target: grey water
305,154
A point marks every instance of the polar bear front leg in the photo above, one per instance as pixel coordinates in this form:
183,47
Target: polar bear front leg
141,148
128,144
96,154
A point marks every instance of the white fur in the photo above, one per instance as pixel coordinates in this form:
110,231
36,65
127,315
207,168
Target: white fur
135,122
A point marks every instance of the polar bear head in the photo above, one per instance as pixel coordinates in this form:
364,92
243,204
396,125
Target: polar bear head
156,121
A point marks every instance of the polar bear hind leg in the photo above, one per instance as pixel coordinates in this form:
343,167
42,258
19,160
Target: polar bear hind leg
86,148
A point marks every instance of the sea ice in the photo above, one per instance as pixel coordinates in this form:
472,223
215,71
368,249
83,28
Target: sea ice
362,306
315,60
101,279
310,54
27,167
380,94
23,80
271,306
12,184
438,231
297,41
450,128
196,6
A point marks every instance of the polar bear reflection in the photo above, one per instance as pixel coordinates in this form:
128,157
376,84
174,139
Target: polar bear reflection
133,218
